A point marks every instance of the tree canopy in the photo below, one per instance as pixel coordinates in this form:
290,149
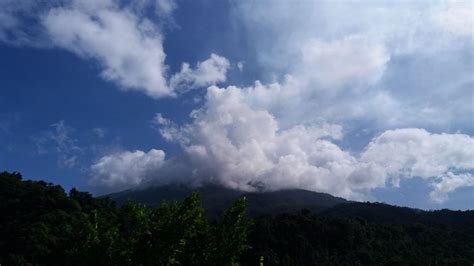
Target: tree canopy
41,224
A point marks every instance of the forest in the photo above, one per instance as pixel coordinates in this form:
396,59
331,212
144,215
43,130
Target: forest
41,224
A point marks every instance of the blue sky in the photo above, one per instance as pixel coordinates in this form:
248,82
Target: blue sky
109,95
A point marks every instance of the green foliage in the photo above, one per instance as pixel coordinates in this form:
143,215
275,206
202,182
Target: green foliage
306,239
42,225
231,233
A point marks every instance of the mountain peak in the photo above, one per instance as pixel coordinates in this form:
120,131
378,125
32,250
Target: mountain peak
216,198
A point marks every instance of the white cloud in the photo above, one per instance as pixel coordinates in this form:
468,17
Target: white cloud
126,169
208,72
448,183
353,60
346,67
412,152
456,17
122,38
415,152
247,146
128,48
241,145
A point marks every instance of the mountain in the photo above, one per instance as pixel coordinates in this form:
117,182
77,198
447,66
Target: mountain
216,198
41,224
333,231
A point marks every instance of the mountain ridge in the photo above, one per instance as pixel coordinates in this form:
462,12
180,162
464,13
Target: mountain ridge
216,198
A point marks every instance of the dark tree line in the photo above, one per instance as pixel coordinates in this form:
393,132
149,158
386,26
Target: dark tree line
41,224
307,239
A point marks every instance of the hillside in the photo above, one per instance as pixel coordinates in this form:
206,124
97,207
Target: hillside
216,198
389,214
41,224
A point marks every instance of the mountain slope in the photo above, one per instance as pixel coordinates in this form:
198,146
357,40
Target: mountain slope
41,224
216,198
388,214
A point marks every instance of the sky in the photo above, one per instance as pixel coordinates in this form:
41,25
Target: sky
366,100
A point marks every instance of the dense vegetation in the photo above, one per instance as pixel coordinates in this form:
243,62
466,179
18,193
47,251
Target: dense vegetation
306,239
42,225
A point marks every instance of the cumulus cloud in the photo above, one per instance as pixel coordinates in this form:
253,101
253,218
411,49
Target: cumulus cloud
128,47
121,37
230,139
416,152
412,152
126,169
208,72
232,143
448,183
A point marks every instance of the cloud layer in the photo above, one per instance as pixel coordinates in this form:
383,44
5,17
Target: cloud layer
394,73
392,65
234,144
334,73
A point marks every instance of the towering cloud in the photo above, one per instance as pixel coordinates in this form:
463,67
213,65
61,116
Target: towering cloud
241,146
